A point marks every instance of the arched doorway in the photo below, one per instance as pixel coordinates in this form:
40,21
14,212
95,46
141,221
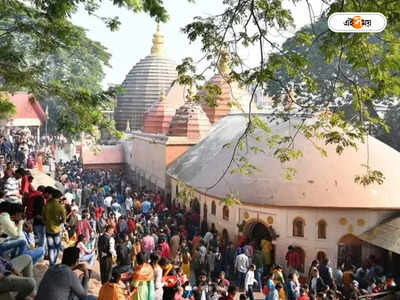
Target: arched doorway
349,251
195,205
257,231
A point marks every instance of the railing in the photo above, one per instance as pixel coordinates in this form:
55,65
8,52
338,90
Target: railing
387,295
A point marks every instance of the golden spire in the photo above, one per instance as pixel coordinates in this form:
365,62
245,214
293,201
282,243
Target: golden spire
158,43
223,65
162,96
190,95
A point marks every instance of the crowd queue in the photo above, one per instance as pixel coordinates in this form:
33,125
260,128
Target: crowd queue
145,248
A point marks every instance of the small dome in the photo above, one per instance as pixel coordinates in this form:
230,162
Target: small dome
190,121
158,118
233,99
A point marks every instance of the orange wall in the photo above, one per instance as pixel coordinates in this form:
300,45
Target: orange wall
174,151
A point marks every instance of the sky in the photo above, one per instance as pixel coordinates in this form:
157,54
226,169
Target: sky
133,40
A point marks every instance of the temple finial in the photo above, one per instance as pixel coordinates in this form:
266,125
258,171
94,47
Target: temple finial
162,95
223,63
158,43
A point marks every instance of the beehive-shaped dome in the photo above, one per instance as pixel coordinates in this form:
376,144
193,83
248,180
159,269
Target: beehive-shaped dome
158,118
143,84
233,97
190,121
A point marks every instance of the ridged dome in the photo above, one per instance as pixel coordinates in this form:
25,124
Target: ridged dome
158,118
190,121
142,86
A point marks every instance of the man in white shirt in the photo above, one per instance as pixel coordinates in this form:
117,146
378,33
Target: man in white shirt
107,203
128,203
241,266
249,281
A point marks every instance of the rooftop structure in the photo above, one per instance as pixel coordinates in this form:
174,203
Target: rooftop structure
143,84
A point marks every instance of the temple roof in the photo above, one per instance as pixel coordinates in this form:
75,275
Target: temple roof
190,121
143,84
319,181
233,99
28,108
158,118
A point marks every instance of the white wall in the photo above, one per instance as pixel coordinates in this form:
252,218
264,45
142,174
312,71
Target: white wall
282,220
148,159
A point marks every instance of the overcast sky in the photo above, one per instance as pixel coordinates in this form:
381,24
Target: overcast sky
133,40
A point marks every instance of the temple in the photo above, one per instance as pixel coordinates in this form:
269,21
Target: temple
179,143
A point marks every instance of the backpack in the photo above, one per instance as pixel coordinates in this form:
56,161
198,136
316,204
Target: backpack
104,244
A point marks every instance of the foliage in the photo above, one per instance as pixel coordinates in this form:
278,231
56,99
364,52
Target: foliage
231,199
185,193
392,119
358,69
7,109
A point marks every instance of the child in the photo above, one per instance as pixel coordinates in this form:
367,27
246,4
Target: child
250,281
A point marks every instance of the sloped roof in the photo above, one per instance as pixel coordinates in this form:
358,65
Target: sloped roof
27,107
319,181
385,235
103,155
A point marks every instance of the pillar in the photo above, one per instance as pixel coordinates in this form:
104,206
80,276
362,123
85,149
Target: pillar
38,134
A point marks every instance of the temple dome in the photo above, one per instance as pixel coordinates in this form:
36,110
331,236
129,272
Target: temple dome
319,181
143,84
190,121
158,118
233,98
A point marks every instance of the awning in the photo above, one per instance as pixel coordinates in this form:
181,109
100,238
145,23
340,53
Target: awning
385,235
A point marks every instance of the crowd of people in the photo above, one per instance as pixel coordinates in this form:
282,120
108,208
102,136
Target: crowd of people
145,248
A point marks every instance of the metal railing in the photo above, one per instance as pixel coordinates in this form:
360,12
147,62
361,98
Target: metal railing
387,295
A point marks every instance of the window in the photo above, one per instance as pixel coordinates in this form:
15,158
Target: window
298,227
213,208
225,213
176,191
322,229
205,211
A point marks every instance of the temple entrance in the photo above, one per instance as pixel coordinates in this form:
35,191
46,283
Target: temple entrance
349,251
258,231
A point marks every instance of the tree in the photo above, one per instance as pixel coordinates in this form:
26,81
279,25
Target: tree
42,52
364,72
392,119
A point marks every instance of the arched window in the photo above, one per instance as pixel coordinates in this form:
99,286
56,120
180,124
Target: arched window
322,229
205,211
225,213
176,191
298,227
213,208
